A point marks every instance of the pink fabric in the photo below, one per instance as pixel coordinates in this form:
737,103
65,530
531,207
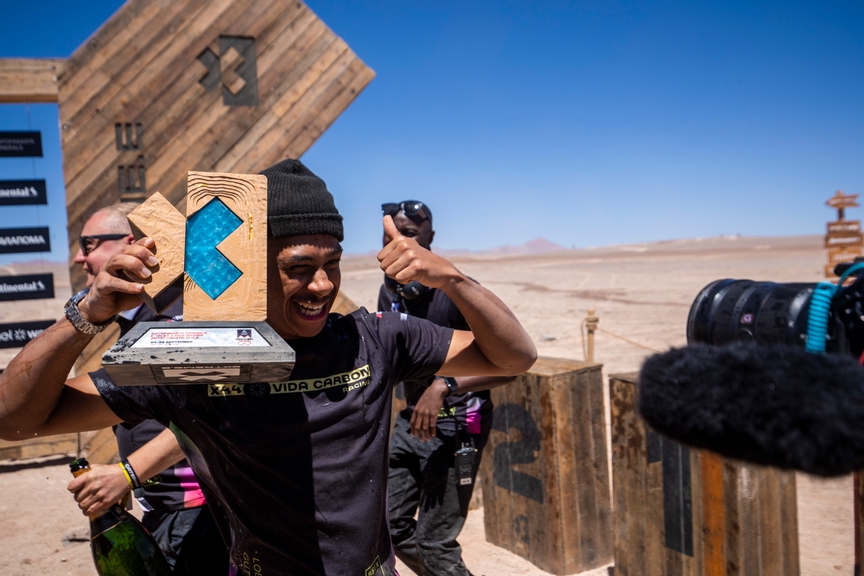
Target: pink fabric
192,494
472,422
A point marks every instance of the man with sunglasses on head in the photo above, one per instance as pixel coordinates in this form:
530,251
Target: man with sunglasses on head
438,439
175,510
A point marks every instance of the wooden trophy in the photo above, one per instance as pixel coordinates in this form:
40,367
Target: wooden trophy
215,257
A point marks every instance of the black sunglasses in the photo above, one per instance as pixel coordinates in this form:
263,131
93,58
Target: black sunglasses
89,243
410,208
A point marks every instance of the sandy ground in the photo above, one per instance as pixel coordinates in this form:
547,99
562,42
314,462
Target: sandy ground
642,294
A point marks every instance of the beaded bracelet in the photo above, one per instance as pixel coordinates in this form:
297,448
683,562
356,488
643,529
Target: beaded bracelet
129,472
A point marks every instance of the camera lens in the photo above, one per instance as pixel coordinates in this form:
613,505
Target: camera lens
743,310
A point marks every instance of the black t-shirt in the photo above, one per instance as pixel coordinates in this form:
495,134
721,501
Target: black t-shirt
471,410
301,465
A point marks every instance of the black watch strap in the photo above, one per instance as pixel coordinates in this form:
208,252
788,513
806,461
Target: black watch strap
452,385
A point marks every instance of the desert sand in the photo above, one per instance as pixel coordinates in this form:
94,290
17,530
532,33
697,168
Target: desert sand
642,294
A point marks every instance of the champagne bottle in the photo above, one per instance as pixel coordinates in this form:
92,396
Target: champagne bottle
121,545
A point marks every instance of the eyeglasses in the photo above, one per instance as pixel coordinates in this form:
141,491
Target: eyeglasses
410,208
89,243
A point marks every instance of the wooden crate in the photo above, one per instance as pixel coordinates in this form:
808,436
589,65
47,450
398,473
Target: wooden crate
688,512
544,471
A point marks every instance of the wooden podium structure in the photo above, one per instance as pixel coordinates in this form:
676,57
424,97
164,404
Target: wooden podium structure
164,88
686,512
545,471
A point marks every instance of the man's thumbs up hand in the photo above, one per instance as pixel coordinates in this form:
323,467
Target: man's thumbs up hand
405,261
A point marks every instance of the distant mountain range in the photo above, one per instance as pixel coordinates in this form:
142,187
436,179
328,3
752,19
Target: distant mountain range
536,246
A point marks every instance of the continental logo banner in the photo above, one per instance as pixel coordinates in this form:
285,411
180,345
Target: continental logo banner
352,380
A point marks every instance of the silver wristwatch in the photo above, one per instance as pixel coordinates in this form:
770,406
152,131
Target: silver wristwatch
79,322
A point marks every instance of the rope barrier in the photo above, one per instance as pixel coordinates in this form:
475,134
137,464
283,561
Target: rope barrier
628,340
609,332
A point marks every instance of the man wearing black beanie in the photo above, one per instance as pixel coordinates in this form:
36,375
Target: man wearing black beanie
299,467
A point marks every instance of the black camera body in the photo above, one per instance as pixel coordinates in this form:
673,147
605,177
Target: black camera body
730,310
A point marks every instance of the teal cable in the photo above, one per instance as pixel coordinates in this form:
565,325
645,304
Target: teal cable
820,311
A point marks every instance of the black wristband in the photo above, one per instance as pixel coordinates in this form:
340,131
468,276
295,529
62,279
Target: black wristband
452,385
136,483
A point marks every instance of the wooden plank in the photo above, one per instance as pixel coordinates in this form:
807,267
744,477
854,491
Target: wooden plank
144,58
131,70
569,446
155,104
714,515
656,561
600,513
246,196
156,218
591,547
159,115
303,77
629,480
170,136
165,117
84,117
87,94
750,537
29,79
695,565
103,38
731,494
319,58
546,541
311,102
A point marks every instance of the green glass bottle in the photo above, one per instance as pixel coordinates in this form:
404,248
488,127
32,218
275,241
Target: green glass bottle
121,545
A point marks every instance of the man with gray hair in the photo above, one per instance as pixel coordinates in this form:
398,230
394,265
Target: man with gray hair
151,462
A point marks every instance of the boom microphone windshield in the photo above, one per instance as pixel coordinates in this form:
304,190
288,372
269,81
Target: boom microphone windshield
773,405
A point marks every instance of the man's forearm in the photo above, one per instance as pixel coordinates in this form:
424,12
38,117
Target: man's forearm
498,334
31,385
155,456
480,383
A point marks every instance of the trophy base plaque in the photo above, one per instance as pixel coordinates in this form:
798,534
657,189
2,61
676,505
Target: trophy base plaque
211,352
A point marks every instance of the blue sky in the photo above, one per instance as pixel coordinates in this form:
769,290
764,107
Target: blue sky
587,123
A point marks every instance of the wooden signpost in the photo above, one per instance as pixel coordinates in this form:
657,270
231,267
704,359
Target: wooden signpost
686,512
544,470
162,88
844,240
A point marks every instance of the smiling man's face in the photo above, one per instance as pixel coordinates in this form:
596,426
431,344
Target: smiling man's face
100,251
303,279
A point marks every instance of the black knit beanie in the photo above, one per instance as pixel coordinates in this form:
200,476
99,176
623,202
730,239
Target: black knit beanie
298,202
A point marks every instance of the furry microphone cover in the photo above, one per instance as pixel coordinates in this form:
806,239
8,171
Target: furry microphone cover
771,405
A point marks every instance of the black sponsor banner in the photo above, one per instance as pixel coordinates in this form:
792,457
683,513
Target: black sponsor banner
15,240
20,192
20,144
17,334
26,287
